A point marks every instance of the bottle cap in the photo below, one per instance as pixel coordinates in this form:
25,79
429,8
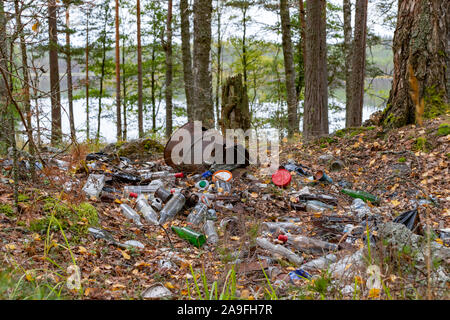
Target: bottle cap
206,174
179,175
281,178
133,195
202,184
283,237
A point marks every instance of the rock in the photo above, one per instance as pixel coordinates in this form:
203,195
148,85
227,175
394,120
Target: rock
399,237
326,158
337,165
401,169
135,244
157,291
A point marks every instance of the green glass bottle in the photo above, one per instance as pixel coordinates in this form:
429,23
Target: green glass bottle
365,196
194,238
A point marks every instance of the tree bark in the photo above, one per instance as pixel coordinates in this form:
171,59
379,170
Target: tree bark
69,75
124,81
219,59
102,73
26,87
139,66
56,136
354,114
88,127
204,109
118,115
347,8
315,119
187,58
169,67
419,81
289,68
4,119
235,108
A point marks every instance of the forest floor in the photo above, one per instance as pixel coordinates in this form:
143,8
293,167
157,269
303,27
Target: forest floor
400,166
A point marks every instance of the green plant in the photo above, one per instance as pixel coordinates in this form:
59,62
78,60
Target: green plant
444,129
402,159
7,210
228,291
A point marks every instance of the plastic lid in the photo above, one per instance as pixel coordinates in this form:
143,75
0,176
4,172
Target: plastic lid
224,175
283,238
179,175
281,178
202,184
133,195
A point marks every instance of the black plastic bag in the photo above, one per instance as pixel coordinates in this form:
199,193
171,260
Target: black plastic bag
409,218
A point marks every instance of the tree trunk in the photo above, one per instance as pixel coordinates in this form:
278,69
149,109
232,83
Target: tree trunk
4,119
139,67
88,128
358,74
56,136
235,108
347,8
204,109
153,86
302,28
419,84
102,74
124,81
169,62
289,68
219,60
69,76
26,87
118,116
187,59
315,119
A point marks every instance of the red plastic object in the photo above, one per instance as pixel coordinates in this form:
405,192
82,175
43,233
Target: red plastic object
283,238
281,178
133,195
179,175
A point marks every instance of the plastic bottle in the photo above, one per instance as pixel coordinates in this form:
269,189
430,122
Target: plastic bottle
365,196
147,211
202,184
131,214
317,206
310,245
222,187
157,204
277,228
194,238
278,249
175,204
320,263
94,185
161,175
198,214
163,194
210,230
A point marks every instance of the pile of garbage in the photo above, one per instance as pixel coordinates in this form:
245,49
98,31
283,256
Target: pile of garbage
153,193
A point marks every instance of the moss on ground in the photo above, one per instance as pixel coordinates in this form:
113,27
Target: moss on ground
444,129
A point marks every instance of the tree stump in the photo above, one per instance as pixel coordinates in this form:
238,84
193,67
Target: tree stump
235,110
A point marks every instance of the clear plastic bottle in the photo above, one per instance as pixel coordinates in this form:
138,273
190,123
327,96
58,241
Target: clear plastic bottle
163,194
175,204
209,229
197,214
222,187
147,211
157,204
161,175
317,206
94,185
131,214
278,249
151,188
311,245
